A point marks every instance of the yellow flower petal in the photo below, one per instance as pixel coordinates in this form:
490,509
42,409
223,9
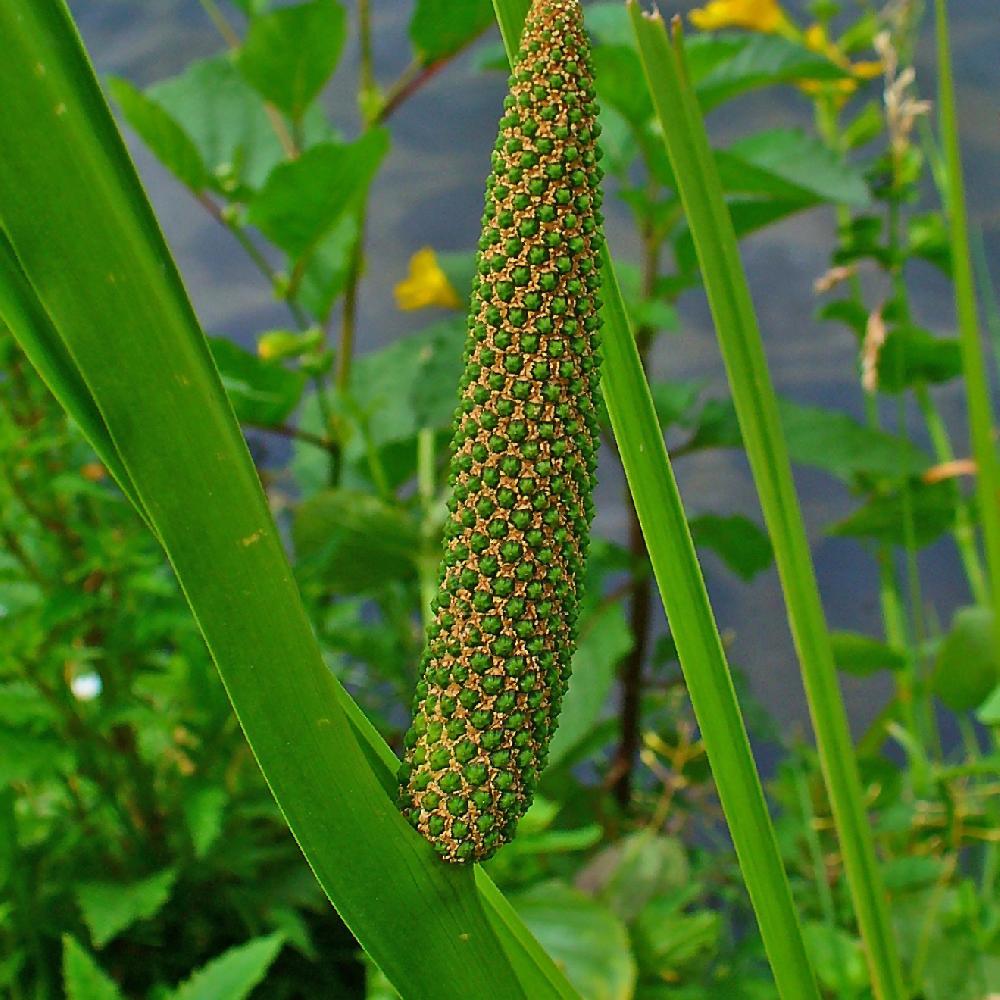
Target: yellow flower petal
426,285
867,70
756,15
817,39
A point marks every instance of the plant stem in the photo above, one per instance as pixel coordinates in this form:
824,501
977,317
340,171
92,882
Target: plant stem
251,250
641,597
976,386
366,78
964,531
756,407
820,879
410,81
274,116
297,433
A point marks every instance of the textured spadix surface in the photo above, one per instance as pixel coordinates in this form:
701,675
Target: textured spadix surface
498,652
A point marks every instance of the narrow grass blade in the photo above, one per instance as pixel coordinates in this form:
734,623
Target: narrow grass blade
682,588
31,326
86,239
510,18
756,407
977,390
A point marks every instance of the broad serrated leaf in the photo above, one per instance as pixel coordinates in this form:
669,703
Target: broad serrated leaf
302,200
928,238
620,84
847,311
234,974
804,162
967,668
839,444
862,655
166,139
749,216
354,540
394,392
262,392
988,712
83,978
25,754
722,64
837,958
639,867
742,545
727,64
329,267
22,704
675,401
911,356
585,938
667,939
604,639
290,53
824,439
203,813
864,127
226,121
439,28
932,508
110,907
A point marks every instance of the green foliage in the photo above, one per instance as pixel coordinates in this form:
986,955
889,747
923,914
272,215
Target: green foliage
439,29
584,936
233,975
301,201
741,544
141,851
862,655
261,393
967,667
108,908
290,53
83,978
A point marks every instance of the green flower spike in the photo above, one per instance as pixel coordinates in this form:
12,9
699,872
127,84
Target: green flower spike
498,653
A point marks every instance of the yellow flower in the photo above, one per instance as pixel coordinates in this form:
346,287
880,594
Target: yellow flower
817,39
757,15
426,284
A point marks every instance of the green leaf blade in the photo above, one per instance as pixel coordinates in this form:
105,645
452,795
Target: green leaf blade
234,974
759,417
111,907
439,28
291,52
303,199
168,141
83,978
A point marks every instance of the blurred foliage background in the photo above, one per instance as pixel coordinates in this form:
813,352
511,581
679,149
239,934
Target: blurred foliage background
336,155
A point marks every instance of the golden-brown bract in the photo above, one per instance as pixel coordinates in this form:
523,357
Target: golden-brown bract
498,653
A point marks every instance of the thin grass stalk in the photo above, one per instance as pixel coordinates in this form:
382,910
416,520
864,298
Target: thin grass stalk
977,392
682,589
756,407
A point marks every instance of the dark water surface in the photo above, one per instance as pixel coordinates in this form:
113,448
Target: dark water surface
430,192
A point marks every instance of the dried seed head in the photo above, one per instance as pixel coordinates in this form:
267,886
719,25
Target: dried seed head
498,653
